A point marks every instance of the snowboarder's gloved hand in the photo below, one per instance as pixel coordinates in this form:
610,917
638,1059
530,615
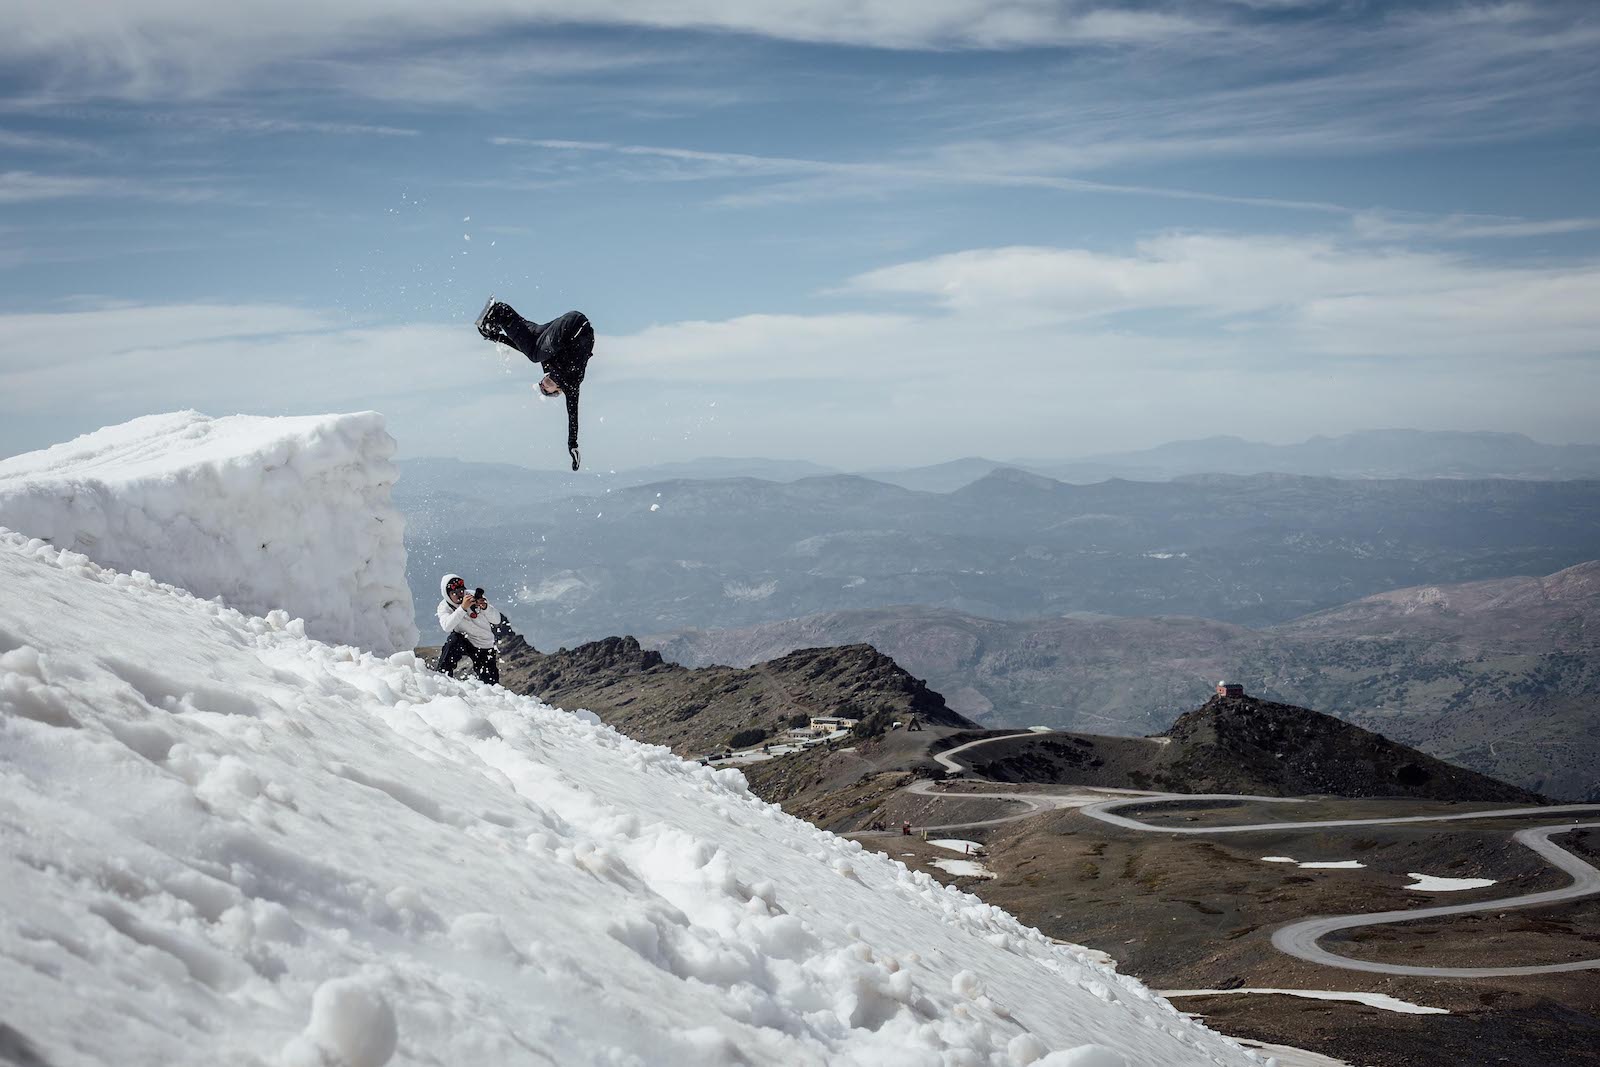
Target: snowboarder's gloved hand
574,451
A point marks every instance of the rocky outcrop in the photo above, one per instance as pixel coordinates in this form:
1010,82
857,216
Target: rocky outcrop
1290,751
1243,745
696,710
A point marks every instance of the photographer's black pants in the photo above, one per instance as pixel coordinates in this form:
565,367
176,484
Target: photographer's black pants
486,661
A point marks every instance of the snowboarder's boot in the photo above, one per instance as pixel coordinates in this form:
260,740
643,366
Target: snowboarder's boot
490,317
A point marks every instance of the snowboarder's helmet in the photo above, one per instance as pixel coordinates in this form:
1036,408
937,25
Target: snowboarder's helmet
549,386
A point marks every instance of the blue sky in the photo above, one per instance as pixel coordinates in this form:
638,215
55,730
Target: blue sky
860,233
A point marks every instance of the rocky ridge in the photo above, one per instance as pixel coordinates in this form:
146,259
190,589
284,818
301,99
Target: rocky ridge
1243,745
697,710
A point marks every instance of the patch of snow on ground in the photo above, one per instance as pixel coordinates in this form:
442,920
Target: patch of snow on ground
1333,865
1428,883
1372,1000
267,513
223,842
963,868
1294,1057
1277,859
955,844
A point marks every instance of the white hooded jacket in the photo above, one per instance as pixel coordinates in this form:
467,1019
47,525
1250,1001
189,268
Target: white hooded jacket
457,620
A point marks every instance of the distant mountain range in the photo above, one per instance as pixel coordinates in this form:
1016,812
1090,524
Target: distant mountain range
1145,589
1367,454
1370,454
1254,550
1502,676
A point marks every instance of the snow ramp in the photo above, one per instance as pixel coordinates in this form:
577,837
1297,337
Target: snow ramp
267,513
224,842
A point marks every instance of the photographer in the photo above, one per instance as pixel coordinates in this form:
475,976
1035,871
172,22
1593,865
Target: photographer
471,626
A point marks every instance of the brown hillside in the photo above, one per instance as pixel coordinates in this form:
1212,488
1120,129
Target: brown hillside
696,710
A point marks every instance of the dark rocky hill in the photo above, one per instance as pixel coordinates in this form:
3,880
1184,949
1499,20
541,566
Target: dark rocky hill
696,710
1241,744
1246,746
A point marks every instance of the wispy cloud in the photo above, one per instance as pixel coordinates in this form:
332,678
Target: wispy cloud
1000,347
269,124
797,179
1332,83
1382,227
22,186
470,72
980,350
787,179
1301,295
190,47
36,142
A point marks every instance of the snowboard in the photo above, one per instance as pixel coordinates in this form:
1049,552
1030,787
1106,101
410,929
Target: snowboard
483,315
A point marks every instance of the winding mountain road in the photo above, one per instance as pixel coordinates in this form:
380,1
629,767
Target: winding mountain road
948,761
1036,803
1300,939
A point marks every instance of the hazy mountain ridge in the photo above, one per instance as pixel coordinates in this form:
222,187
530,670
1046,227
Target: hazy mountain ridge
1254,550
1531,648
1386,454
1366,454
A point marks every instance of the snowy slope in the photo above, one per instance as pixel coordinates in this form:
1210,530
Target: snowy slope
222,842
289,513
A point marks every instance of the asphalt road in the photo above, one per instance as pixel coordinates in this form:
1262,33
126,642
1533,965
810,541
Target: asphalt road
1036,803
1300,939
948,761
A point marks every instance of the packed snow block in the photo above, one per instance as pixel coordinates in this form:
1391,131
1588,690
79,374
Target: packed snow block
290,514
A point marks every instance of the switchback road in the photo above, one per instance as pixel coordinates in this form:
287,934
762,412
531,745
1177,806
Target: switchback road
1300,939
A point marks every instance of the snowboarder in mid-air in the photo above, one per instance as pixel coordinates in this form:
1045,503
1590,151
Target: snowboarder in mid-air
561,347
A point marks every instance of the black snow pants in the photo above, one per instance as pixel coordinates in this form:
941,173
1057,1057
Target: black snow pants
486,661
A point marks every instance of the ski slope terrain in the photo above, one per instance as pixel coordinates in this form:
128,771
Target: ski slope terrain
267,513
222,841
226,842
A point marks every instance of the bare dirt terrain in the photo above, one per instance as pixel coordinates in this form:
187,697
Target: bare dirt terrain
1198,913
1173,902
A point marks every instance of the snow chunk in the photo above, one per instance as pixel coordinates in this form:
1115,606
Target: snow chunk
266,513
352,1022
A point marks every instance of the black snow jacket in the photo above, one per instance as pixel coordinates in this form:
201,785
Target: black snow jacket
562,347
